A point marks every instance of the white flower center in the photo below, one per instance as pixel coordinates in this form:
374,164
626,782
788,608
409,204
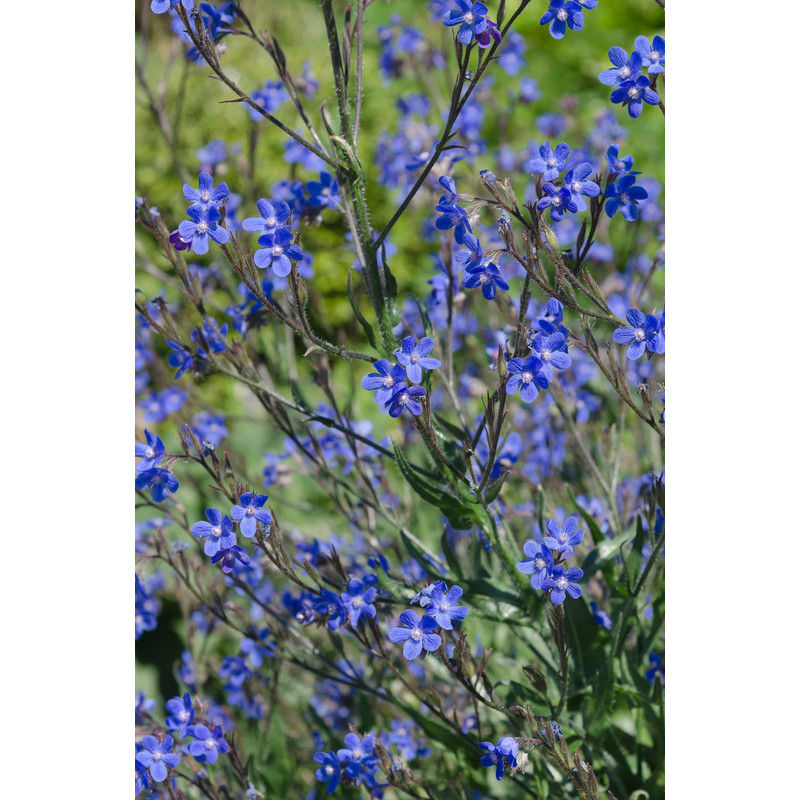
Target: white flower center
358,602
404,398
562,14
416,634
277,250
205,197
545,355
623,198
329,770
552,161
484,278
357,754
388,381
210,743
540,563
624,71
444,607
556,200
202,227
469,18
183,715
576,186
149,452
250,512
640,335
216,530
157,756
619,166
654,55
634,92
562,582
270,222
527,376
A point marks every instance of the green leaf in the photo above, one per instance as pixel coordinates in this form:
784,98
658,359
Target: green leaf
605,551
426,320
368,329
493,489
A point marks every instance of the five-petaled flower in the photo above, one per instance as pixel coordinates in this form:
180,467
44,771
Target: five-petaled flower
507,749
416,633
641,334
562,583
209,745
358,600
551,163
218,532
151,453
528,375
565,537
488,277
625,68
444,607
249,511
558,200
271,217
624,196
160,482
653,56
538,563
328,770
470,16
413,356
633,93
205,195
276,249
155,756
201,226
561,15
385,382
357,753
405,398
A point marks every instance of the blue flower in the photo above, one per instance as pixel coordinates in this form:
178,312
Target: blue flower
271,217
413,356
632,93
249,511
528,375
203,223
181,714
538,563
507,749
160,482
600,616
329,770
470,16
617,165
653,56
558,200
656,668
552,352
218,532
472,256
642,334
623,195
160,6
444,607
387,380
488,35
229,557
579,187
155,757
624,68
358,600
563,14
358,754
550,164
565,537
270,97
405,398
416,633
453,216
205,196
276,250
488,277
563,583
209,744
330,605
151,453
324,192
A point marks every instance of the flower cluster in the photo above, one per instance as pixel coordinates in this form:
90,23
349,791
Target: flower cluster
631,87
204,214
161,482
544,562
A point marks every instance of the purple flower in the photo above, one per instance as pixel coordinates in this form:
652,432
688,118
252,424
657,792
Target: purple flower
444,607
276,250
563,14
472,256
413,357
160,6
203,223
230,556
563,583
324,192
249,511
488,35
550,164
405,398
155,757
387,380
528,375
218,532
617,165
564,538
470,16
538,563
416,633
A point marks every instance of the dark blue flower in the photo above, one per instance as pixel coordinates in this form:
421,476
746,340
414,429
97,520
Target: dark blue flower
600,616
358,600
470,16
329,769
160,482
538,563
653,56
633,93
551,350
444,607
562,14
405,398
624,195
151,453
276,250
624,68
488,35
330,605
413,356
563,583
579,187
488,277
507,749
528,375
550,164
416,633
617,165
218,532
201,226
249,511
558,200
324,192
472,254
358,754
641,334
229,557
155,757
453,216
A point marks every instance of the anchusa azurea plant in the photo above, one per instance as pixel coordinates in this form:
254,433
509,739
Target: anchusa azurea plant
399,354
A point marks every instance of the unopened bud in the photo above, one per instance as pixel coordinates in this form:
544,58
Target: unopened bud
502,369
